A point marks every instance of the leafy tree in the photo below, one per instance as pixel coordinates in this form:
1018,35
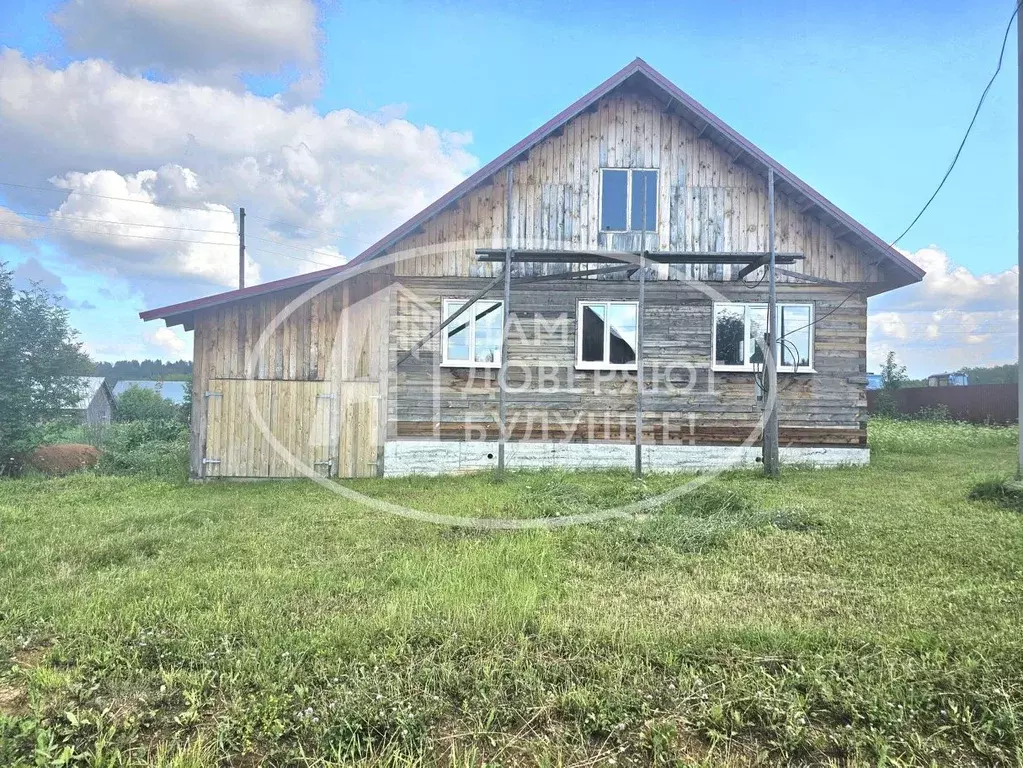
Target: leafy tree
893,376
40,360
140,404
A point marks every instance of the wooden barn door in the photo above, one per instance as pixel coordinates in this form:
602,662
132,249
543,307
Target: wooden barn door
268,428
359,428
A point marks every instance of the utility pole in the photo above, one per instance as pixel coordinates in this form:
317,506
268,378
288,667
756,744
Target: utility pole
1019,230
241,247
770,363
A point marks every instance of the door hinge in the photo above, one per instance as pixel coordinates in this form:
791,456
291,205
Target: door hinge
325,396
211,461
328,462
208,394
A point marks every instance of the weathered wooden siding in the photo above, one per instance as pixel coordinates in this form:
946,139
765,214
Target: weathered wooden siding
822,408
706,202
101,407
337,336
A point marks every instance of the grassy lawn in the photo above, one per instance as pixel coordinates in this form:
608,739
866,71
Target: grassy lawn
852,616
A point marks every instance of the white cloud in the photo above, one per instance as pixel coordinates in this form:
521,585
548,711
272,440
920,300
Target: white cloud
171,342
206,40
952,318
12,226
178,143
161,241
948,285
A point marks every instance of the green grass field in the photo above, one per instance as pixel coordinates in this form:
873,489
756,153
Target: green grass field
865,616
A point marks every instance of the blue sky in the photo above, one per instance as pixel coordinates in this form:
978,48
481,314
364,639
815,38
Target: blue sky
866,102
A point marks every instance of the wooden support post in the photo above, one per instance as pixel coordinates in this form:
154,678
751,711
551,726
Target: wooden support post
241,247
639,359
770,361
641,313
502,376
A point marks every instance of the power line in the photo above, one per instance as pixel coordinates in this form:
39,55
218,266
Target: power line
296,247
30,225
62,217
980,103
111,197
295,226
46,227
291,256
955,159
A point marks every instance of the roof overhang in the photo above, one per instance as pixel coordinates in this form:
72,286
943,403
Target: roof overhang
900,271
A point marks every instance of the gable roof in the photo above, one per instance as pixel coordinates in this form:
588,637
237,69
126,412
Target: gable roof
88,386
637,72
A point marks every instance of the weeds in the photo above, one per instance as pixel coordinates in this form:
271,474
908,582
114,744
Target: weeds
923,437
1004,492
859,616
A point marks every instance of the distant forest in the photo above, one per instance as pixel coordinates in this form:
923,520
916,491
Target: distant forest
995,374
145,370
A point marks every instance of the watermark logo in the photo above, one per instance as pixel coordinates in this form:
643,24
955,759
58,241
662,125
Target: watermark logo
570,379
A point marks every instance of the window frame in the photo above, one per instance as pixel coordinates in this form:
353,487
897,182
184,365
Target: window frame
455,303
748,366
628,201
603,365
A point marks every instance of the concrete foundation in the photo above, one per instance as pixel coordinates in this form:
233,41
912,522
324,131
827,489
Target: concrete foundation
439,457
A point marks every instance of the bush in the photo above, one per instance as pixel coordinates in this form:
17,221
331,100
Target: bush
40,358
147,448
139,404
937,412
885,405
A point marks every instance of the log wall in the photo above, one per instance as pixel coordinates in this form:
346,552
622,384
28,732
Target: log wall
549,399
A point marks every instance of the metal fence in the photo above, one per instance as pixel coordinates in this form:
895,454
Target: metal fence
981,403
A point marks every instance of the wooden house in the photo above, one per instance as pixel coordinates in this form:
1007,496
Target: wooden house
95,404
637,228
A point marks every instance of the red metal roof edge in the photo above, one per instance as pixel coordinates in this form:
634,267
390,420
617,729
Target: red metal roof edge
240,293
477,178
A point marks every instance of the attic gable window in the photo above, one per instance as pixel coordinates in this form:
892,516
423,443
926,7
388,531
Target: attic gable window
623,195
606,335
473,340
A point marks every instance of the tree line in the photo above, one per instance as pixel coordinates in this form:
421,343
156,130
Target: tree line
144,370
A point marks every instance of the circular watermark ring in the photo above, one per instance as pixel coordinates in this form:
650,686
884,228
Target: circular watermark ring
631,510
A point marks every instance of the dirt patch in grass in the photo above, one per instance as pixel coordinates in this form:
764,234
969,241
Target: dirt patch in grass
30,658
13,700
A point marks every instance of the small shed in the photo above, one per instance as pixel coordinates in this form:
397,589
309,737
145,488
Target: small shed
948,380
169,390
96,404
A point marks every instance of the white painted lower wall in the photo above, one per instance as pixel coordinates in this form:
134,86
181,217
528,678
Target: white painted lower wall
439,457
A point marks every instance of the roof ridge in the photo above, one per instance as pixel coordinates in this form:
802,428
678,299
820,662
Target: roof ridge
637,65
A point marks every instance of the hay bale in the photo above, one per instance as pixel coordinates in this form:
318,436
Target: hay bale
55,460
